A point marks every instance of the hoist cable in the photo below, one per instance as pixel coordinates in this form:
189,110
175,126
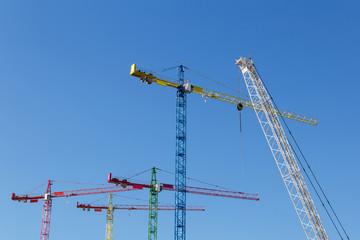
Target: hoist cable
139,173
197,180
215,81
241,159
166,69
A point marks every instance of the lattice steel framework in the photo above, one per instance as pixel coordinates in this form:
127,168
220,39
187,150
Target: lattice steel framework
46,213
267,115
180,158
153,207
109,219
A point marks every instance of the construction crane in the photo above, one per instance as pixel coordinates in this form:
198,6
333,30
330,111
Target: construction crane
153,208
183,88
281,149
48,196
197,190
268,116
156,187
110,214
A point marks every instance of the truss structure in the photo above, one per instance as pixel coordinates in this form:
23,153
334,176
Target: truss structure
109,219
283,154
180,159
153,207
46,214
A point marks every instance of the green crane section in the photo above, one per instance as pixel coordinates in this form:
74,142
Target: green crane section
153,206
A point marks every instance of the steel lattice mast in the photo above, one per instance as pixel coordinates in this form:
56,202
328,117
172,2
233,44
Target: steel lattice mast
153,207
267,115
109,219
46,213
180,158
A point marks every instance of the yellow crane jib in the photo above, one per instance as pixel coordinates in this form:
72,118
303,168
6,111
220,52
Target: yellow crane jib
149,78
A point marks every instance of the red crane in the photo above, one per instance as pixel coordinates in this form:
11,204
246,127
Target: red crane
48,196
205,191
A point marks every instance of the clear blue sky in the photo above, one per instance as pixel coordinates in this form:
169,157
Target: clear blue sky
70,111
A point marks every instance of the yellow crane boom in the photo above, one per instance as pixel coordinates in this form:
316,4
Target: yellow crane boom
147,76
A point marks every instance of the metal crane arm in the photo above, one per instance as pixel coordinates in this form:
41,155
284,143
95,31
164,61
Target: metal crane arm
282,152
72,193
146,76
136,207
197,190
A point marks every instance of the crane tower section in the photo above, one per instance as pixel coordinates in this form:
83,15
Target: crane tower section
267,115
46,214
180,158
109,219
153,206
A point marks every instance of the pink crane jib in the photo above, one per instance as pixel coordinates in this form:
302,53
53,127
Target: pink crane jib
169,187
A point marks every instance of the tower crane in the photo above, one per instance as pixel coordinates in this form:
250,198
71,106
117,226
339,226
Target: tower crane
49,195
268,116
110,214
281,149
153,208
156,187
197,190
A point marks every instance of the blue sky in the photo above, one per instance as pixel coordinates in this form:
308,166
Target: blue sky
71,111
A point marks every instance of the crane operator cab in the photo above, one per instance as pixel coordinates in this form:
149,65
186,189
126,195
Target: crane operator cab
188,87
47,196
158,187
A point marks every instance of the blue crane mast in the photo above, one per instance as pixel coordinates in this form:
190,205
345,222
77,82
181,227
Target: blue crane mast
180,158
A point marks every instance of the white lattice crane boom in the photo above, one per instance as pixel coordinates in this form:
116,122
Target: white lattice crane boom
268,117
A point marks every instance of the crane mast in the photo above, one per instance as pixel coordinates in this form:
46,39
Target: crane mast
46,214
109,219
283,154
153,206
180,158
